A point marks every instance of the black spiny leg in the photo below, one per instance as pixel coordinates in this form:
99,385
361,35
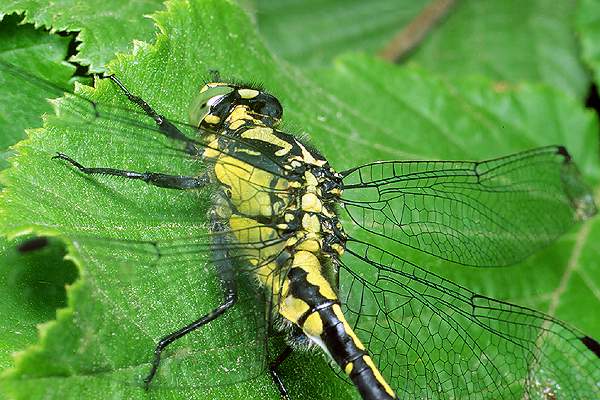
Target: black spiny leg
227,274
153,178
164,125
273,370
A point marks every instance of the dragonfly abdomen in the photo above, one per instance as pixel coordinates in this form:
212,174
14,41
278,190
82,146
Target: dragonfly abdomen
309,301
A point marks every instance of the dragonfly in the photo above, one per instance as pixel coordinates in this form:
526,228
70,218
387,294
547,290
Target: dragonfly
320,247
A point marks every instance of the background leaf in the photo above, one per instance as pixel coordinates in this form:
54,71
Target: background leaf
36,285
33,285
311,33
38,53
100,344
105,27
588,25
509,41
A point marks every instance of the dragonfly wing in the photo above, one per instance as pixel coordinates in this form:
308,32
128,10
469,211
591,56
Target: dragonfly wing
487,213
178,277
433,339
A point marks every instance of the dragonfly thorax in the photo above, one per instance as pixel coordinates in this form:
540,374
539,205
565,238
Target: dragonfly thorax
311,218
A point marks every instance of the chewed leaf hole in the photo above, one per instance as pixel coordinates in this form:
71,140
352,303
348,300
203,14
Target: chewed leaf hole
37,274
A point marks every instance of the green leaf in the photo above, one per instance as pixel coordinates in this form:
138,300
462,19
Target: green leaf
43,53
101,344
509,41
33,288
310,33
33,285
104,27
588,27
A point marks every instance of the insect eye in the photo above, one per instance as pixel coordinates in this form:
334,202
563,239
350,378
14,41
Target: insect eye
205,101
214,100
269,106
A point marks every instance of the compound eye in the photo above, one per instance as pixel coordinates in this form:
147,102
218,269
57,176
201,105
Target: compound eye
274,109
271,107
209,96
214,100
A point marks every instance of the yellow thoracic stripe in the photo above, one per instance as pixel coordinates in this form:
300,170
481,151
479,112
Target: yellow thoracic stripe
251,188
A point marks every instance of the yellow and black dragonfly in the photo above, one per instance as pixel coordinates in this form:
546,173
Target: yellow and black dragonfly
307,250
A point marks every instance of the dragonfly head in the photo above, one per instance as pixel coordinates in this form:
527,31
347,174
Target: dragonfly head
217,101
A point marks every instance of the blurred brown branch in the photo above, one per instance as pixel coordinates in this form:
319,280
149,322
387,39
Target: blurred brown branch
416,30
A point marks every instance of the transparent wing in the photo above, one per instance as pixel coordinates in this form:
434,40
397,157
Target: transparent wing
141,282
433,339
487,213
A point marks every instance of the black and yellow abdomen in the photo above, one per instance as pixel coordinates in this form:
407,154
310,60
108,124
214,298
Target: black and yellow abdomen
309,301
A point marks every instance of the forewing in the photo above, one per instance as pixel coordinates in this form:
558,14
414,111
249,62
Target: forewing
487,213
433,339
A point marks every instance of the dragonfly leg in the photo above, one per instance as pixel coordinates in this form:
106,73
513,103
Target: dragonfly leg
153,178
165,126
275,375
227,274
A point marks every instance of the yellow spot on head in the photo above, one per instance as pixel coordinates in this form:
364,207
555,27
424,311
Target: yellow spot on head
212,119
239,112
248,93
